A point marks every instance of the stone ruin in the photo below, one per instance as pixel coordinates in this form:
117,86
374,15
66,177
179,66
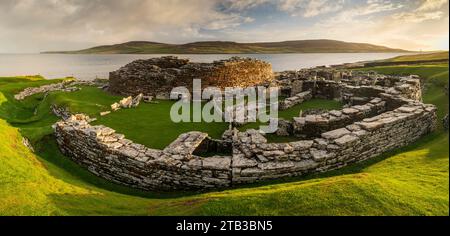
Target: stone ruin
65,86
382,113
158,76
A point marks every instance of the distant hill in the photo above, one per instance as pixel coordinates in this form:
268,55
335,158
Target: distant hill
224,47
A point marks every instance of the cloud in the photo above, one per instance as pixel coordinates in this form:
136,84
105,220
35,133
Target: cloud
427,10
359,14
418,17
395,24
50,23
40,25
305,8
310,8
240,5
430,5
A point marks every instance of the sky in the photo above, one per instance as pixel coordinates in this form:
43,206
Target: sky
29,26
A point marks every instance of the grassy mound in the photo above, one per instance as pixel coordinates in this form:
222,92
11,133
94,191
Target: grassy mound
411,181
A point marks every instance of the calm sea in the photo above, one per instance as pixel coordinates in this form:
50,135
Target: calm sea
98,66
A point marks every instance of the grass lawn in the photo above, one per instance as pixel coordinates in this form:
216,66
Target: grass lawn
150,124
410,181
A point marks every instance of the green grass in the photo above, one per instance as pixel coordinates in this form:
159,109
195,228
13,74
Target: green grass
142,123
294,111
410,181
421,57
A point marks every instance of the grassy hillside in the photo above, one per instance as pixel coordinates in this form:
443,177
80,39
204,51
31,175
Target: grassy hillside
221,47
411,181
421,57
416,59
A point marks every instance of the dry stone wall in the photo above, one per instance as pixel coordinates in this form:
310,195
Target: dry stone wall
378,119
313,125
65,86
294,100
110,155
254,159
158,76
327,83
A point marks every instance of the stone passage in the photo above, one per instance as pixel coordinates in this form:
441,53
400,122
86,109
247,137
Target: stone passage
157,76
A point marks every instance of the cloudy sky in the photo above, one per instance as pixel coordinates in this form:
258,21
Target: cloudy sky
40,25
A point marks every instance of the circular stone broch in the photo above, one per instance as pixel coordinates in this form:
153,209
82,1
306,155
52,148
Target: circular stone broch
381,113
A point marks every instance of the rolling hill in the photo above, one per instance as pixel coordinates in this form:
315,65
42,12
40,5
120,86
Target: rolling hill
435,56
224,47
422,58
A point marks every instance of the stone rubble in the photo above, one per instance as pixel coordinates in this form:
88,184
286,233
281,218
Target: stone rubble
65,86
27,144
128,102
62,112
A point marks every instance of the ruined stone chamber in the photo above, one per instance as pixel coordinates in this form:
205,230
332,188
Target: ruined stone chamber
382,113
158,76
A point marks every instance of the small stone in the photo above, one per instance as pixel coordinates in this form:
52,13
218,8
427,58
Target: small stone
353,127
336,113
217,163
334,134
318,155
349,111
288,149
242,162
302,145
126,102
115,106
346,140
370,125
406,109
261,158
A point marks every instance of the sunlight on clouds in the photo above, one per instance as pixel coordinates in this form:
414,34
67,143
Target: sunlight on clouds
310,8
243,4
40,25
430,5
428,10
